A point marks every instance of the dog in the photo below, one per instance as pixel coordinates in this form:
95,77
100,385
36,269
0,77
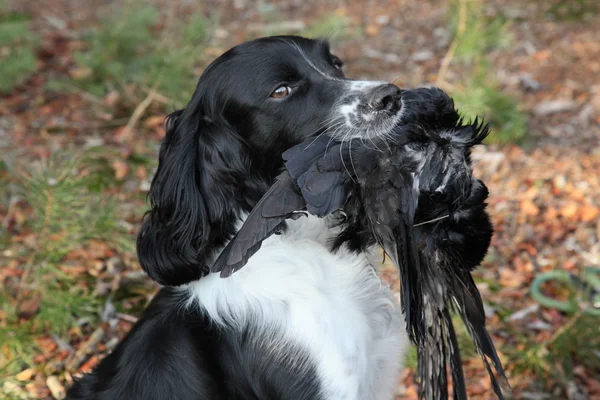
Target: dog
300,321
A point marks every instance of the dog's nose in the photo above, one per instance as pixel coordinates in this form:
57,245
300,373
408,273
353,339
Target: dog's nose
386,98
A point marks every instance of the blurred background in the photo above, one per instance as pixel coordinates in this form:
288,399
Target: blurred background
84,89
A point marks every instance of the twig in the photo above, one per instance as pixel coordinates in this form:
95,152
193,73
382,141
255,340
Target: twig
460,30
126,317
161,98
84,350
86,95
137,114
56,388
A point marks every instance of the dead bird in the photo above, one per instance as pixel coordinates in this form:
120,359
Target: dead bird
413,193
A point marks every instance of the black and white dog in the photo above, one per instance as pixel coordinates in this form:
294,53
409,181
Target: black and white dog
299,321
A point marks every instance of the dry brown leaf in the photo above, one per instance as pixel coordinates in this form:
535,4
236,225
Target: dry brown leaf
112,98
89,364
589,213
25,375
372,30
543,55
528,208
531,193
141,173
79,73
38,388
28,308
45,343
121,169
570,210
551,213
510,278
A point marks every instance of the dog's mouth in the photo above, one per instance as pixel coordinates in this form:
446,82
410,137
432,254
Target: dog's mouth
369,111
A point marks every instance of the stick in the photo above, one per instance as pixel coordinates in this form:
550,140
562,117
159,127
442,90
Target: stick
137,114
462,23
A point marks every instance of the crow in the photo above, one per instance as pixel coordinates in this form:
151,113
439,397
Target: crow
413,193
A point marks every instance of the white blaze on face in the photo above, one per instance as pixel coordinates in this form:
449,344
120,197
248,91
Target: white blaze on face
354,86
347,110
357,117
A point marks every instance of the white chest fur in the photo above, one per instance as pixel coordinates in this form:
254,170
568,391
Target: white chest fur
332,305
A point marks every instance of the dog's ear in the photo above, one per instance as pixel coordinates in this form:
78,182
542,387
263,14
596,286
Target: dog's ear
194,197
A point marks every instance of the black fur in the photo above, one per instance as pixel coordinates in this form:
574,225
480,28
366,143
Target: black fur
223,150
177,354
220,154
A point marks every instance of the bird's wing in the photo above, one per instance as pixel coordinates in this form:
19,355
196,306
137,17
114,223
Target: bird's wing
282,201
313,181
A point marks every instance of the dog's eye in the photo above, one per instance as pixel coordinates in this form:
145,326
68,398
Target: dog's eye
337,62
281,92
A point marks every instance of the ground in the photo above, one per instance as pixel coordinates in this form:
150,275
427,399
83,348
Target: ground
81,114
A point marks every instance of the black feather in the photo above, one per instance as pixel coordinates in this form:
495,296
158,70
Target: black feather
414,194
280,202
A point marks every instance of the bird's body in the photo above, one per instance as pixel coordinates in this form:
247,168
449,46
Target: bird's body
414,194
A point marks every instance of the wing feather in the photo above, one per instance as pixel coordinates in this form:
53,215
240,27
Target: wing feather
280,202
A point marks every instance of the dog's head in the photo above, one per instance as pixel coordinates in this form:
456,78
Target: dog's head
222,151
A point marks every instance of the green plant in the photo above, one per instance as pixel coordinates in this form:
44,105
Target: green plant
66,216
17,49
480,94
480,33
332,26
129,49
483,97
552,361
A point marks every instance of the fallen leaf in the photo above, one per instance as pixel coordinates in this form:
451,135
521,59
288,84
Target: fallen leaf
112,98
543,55
528,208
80,73
372,30
38,389
510,278
589,213
89,364
45,343
141,173
121,169
28,308
570,210
25,375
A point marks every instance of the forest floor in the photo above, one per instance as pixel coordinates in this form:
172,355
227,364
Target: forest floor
81,119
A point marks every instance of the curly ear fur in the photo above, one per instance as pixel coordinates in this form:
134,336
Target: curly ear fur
194,197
